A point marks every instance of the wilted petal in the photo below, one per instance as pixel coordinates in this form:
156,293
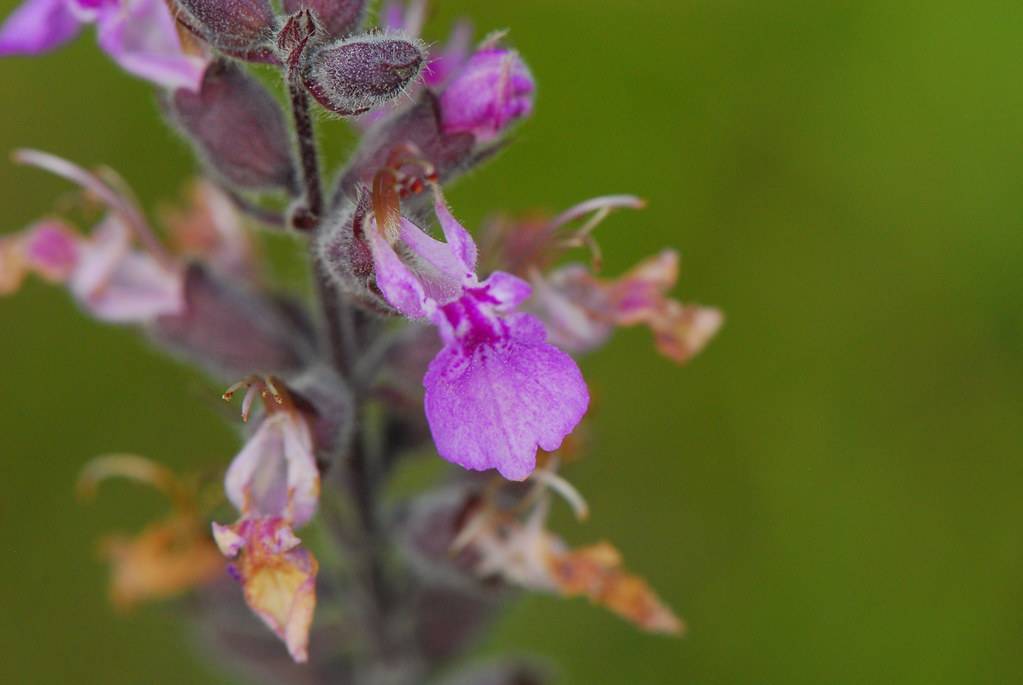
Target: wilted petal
38,26
277,575
12,264
573,326
491,405
682,331
142,37
596,572
164,560
581,310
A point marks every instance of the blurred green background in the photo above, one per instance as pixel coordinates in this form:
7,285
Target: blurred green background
830,494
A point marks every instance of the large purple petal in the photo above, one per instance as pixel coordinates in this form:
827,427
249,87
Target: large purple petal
492,406
38,26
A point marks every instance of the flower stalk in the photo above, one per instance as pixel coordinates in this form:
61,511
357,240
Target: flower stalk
417,343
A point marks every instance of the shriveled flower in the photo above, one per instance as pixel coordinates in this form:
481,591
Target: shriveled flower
140,35
169,556
497,390
520,550
275,484
278,577
582,310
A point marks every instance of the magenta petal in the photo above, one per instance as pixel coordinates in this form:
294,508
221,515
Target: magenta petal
492,406
38,26
459,240
509,291
398,284
142,37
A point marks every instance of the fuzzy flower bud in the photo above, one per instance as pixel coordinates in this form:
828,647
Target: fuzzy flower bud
492,90
339,18
238,127
238,27
353,76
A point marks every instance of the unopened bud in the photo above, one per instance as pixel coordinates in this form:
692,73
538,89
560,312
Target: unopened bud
241,28
338,17
355,75
238,127
492,90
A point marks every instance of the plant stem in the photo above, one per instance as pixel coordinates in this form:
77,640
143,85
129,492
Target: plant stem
306,137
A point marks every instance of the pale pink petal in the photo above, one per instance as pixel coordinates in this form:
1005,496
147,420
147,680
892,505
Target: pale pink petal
257,482
142,37
275,473
303,476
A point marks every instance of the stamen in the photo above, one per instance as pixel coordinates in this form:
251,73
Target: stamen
250,397
566,490
605,202
265,387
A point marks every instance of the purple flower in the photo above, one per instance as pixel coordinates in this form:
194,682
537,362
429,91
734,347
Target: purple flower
497,390
140,35
493,89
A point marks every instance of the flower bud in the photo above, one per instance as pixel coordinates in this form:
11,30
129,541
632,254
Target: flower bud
240,28
492,90
355,75
339,18
238,127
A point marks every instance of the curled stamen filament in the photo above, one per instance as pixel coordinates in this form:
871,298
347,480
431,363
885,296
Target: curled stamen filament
567,491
